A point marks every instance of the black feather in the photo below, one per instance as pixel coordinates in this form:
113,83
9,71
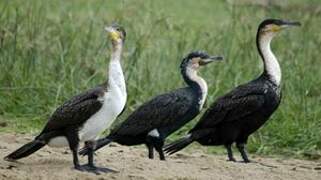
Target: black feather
164,113
67,118
25,150
234,116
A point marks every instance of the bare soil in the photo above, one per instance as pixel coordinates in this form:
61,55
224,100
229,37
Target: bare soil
132,163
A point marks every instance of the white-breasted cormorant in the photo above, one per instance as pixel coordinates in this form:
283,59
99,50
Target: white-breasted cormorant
85,116
239,113
156,119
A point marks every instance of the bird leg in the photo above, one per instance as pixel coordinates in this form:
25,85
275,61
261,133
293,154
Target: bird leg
160,152
73,142
150,151
230,152
241,148
159,148
158,143
76,160
90,166
91,146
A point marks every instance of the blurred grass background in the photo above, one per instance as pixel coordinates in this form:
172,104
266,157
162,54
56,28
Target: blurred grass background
51,50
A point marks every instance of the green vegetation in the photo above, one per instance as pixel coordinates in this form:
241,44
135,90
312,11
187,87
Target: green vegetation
52,50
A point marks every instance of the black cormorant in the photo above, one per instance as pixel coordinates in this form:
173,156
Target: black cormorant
236,115
85,116
156,119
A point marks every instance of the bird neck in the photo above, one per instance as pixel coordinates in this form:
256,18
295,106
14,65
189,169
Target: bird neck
117,49
271,65
116,78
197,83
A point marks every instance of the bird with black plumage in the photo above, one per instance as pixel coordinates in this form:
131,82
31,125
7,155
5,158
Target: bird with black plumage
152,122
233,117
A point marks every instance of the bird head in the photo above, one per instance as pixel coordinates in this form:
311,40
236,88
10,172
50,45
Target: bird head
198,58
116,33
273,26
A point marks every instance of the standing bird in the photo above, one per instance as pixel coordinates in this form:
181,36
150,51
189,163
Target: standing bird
85,116
156,119
239,113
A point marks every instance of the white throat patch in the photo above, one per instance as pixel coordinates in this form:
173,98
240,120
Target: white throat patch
192,74
271,64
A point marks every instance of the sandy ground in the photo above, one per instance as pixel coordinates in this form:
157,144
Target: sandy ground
132,163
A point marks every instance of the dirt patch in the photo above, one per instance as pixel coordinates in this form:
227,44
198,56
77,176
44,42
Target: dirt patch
132,163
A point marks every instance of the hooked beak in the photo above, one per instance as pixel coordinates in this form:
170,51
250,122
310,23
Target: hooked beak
290,24
210,59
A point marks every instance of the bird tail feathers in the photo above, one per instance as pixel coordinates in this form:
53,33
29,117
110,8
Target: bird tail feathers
25,150
185,141
178,145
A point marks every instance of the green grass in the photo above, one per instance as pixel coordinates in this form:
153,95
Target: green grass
52,50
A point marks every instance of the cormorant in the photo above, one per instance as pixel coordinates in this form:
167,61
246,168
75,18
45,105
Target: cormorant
239,113
156,119
85,116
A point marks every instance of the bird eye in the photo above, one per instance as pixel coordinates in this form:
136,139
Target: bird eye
118,29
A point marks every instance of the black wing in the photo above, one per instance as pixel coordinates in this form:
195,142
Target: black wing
161,111
75,111
241,102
